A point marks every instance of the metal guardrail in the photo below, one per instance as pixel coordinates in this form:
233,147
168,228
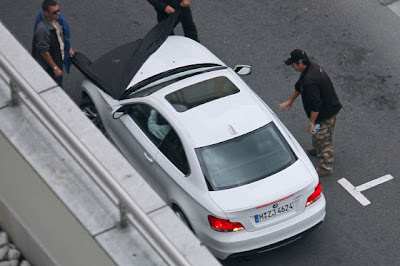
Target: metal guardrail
129,210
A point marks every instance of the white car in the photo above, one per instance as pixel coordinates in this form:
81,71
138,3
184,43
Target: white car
212,149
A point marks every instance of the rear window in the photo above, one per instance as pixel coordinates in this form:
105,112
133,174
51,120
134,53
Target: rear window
245,159
200,93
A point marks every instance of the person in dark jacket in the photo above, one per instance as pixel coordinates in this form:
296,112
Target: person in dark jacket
69,52
48,45
321,105
166,7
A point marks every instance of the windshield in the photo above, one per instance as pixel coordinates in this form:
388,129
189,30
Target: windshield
245,159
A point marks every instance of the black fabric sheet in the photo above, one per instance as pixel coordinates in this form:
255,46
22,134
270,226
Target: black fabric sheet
114,71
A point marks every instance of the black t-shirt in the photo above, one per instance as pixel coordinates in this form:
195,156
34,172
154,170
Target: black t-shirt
318,93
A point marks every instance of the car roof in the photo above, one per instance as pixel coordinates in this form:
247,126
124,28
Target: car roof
221,119
175,52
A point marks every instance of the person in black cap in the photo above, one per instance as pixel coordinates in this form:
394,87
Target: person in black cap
321,105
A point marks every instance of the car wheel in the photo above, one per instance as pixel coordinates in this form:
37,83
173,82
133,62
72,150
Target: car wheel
182,216
89,109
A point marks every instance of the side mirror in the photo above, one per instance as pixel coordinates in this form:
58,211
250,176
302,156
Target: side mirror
242,70
118,112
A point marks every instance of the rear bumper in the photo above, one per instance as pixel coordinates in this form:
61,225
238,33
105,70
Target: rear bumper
273,246
240,243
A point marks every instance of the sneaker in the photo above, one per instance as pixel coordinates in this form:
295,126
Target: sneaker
386,2
312,151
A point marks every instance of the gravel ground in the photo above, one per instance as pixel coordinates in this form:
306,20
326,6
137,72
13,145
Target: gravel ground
9,254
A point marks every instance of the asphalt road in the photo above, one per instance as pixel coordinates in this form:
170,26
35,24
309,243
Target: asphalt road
358,44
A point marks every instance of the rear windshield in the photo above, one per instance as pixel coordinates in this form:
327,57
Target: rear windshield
200,93
245,159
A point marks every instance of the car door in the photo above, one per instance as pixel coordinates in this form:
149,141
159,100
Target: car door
151,144
131,135
172,168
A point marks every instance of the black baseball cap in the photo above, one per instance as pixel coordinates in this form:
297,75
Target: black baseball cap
295,56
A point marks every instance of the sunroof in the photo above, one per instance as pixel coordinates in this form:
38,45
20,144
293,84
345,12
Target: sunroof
201,93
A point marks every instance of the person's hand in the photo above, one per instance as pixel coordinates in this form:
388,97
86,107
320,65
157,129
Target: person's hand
71,52
185,3
58,72
284,105
311,128
169,9
153,113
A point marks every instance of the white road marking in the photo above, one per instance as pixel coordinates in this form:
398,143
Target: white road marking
395,7
374,182
352,190
356,191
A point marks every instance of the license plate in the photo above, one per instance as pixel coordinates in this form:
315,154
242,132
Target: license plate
273,212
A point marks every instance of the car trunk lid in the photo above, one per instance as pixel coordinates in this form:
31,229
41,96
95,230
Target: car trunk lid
270,200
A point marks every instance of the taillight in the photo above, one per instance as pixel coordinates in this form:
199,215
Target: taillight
314,196
222,225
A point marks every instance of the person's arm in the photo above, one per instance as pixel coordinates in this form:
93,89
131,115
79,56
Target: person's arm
289,102
42,44
159,131
49,60
316,103
67,35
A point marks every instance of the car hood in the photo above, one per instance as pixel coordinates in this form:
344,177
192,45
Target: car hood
287,182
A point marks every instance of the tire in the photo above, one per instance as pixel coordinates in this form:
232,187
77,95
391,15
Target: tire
182,217
89,109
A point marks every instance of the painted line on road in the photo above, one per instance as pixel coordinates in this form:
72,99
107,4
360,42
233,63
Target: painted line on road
356,191
373,183
352,190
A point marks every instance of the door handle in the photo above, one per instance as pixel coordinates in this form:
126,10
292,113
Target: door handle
148,157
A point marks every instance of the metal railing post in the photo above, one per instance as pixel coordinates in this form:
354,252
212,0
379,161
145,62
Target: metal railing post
123,219
14,93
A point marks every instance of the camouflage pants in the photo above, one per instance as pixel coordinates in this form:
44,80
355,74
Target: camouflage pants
322,143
